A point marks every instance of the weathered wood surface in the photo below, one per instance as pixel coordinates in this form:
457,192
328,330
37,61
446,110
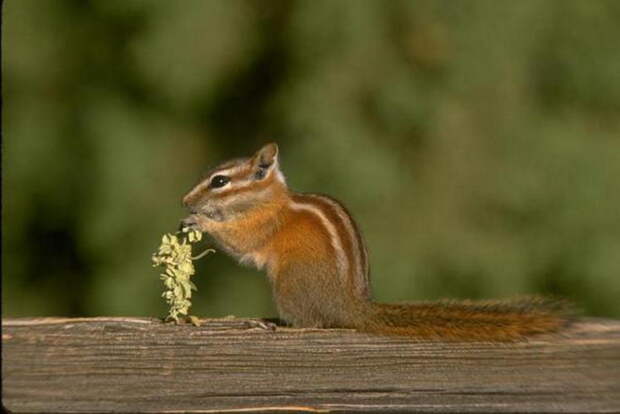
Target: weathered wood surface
141,365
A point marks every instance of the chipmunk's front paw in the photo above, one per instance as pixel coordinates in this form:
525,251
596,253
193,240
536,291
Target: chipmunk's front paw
192,222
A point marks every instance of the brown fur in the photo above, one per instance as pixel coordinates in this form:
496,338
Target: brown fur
466,320
261,222
359,284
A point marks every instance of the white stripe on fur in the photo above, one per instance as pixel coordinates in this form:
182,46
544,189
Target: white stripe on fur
341,259
359,272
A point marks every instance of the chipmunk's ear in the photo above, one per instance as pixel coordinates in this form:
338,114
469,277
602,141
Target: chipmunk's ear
266,157
266,160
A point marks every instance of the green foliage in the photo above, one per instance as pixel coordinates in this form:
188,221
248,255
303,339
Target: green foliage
475,142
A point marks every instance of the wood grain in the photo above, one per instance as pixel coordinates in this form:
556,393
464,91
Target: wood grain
227,365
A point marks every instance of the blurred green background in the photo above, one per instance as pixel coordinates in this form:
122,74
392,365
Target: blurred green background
477,143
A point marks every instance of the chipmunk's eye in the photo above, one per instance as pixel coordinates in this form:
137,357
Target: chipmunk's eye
219,181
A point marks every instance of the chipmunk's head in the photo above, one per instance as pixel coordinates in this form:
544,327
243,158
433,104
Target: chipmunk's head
238,185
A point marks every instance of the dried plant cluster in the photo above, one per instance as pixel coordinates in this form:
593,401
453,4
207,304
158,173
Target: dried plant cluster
175,256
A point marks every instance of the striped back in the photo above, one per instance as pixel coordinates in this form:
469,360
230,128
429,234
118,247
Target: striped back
345,239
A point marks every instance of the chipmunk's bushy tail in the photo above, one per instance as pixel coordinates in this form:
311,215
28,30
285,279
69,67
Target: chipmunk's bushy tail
497,321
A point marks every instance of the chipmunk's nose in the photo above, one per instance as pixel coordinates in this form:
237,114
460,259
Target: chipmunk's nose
187,201
192,199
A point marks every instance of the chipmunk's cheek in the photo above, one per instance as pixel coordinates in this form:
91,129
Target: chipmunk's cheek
214,214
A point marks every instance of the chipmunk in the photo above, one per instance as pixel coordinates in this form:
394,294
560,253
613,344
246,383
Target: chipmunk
317,262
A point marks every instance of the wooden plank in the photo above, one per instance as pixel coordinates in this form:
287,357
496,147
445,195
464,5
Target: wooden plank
141,365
